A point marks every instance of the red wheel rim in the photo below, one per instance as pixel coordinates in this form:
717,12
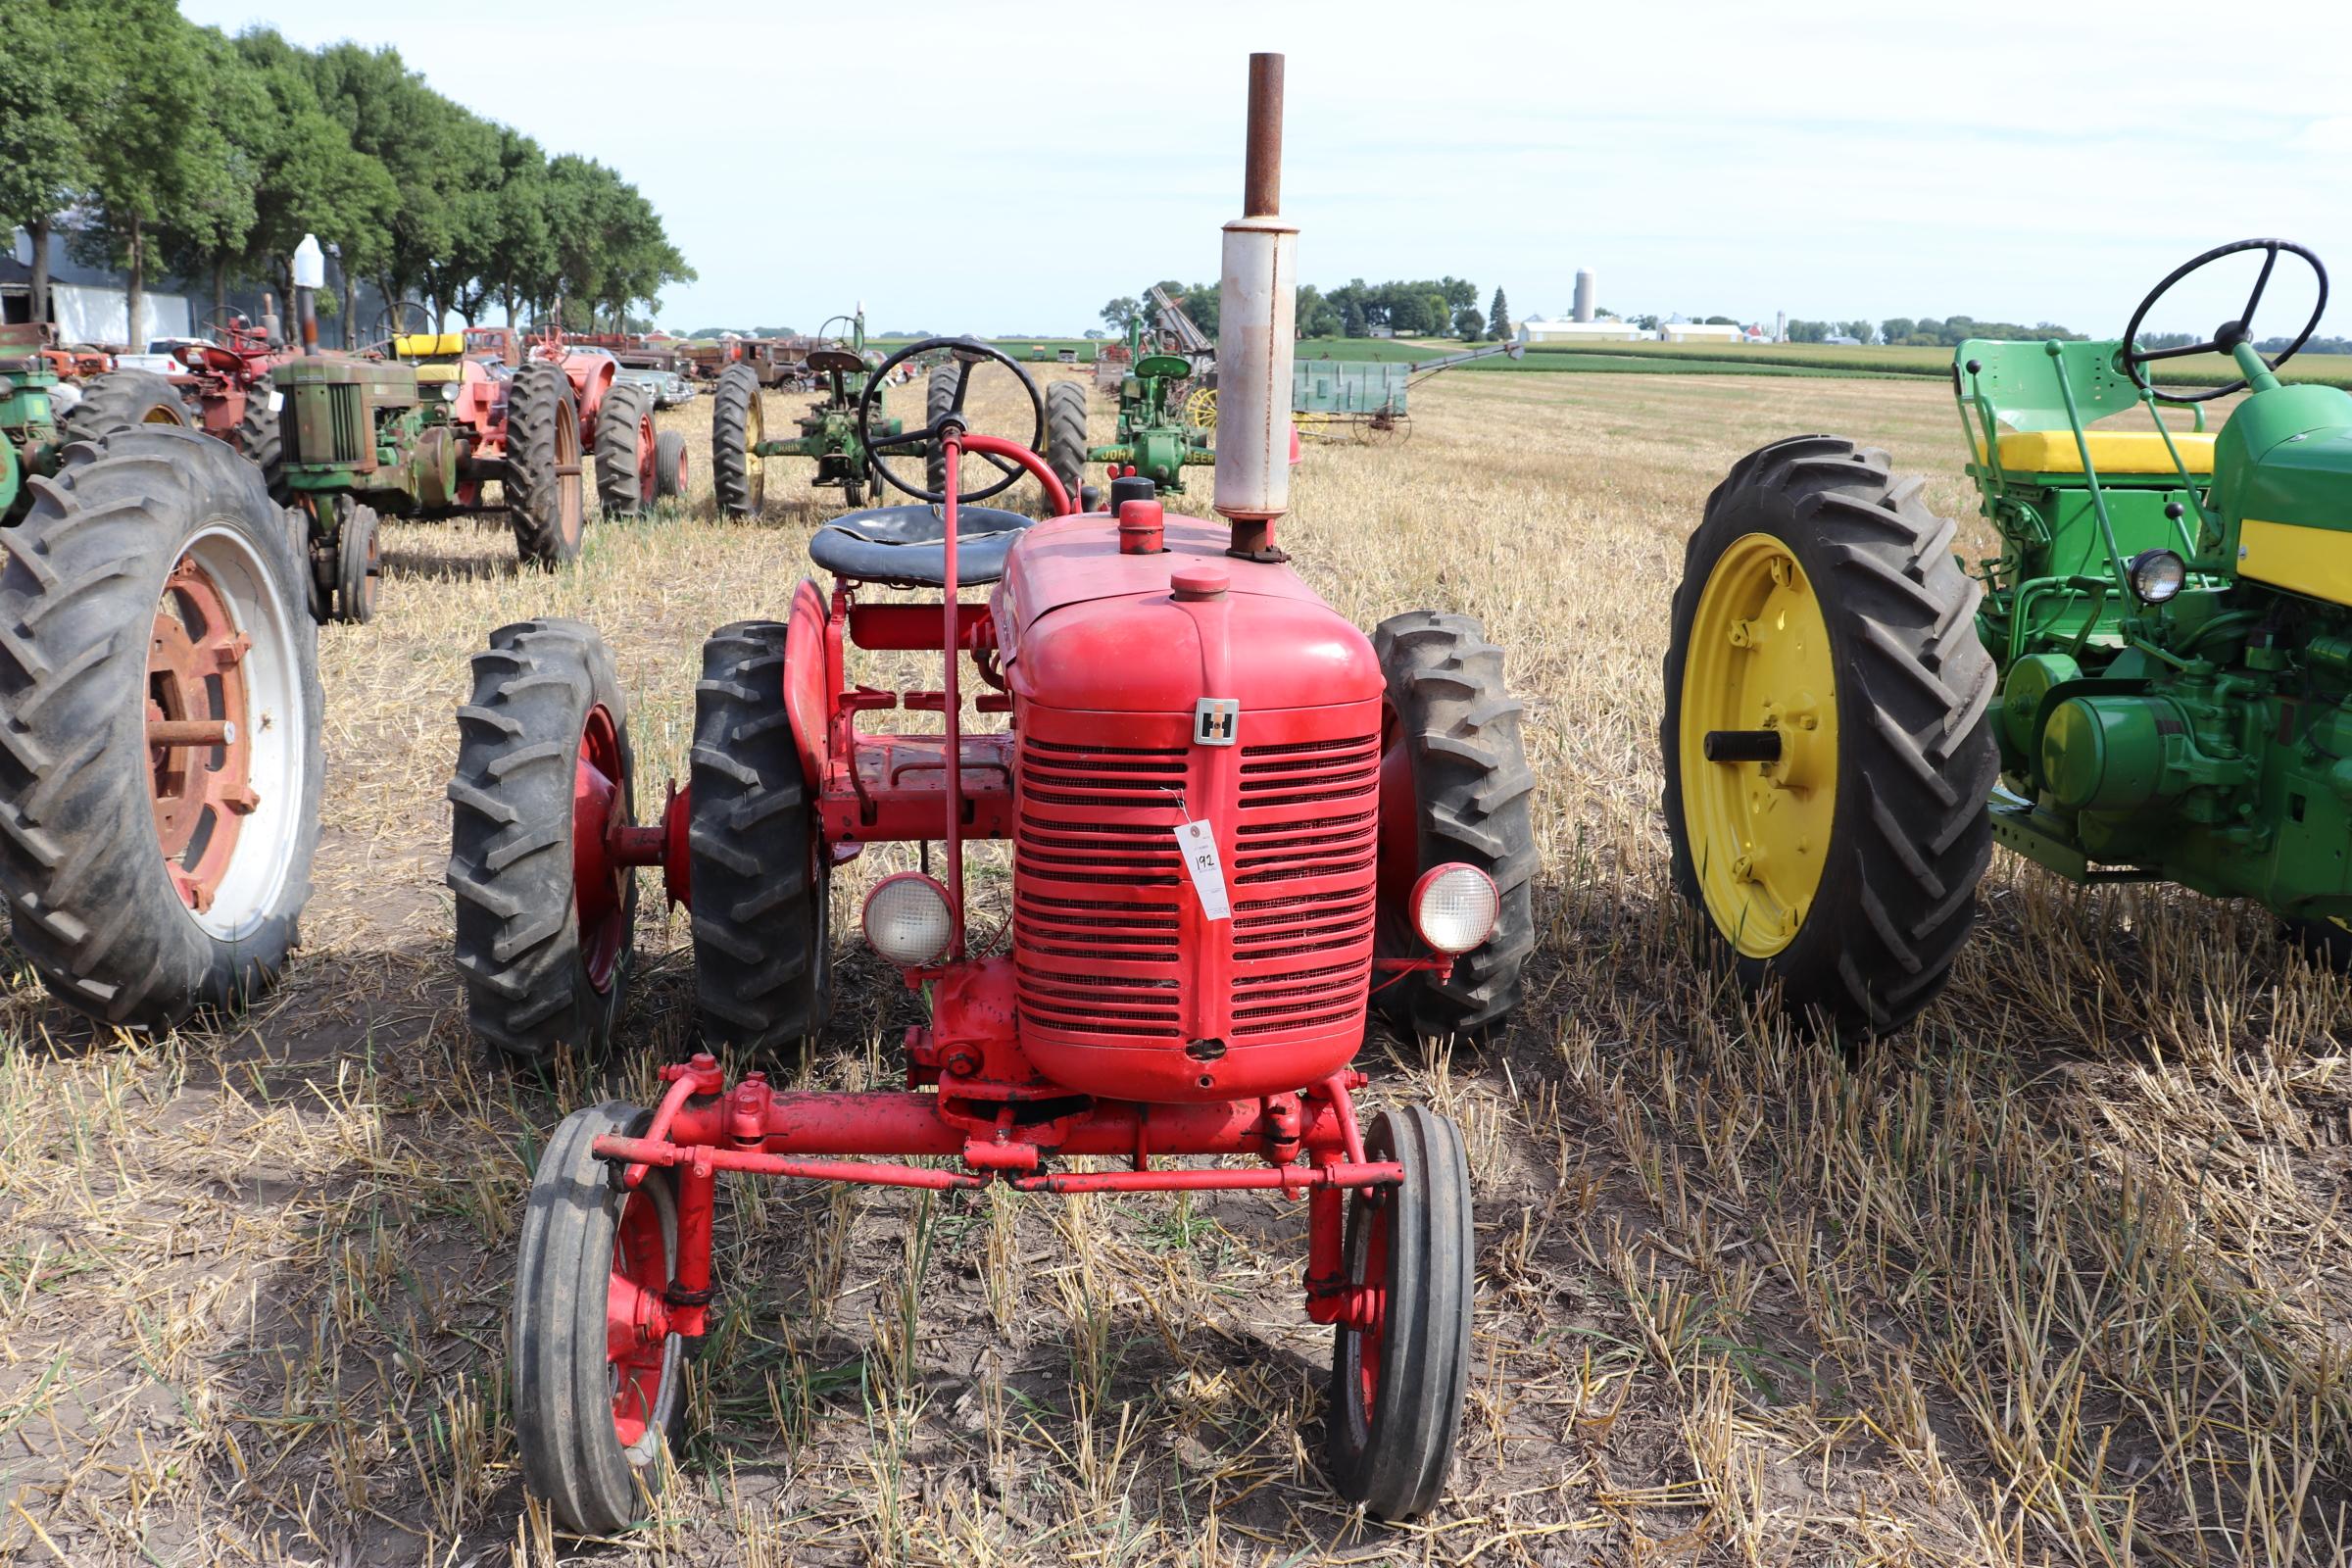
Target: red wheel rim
648,465
636,1318
1373,1276
571,514
599,885
199,755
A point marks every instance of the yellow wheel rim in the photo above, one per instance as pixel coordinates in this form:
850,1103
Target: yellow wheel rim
1758,659
754,431
1201,408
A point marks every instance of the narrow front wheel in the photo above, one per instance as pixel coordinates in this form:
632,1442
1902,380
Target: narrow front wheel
1397,1380
599,1378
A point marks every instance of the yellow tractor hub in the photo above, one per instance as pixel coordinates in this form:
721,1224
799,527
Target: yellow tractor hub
754,431
1759,692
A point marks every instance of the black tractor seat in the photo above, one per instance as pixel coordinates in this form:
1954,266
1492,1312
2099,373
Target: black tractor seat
826,361
907,546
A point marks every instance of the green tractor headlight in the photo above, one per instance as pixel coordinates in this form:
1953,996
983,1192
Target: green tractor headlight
2156,575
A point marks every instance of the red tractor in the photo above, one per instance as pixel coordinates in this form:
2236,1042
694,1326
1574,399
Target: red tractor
223,388
1236,823
634,466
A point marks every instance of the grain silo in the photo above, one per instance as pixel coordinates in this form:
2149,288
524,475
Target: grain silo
1584,284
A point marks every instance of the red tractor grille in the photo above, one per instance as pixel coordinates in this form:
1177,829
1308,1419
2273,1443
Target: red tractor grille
1110,943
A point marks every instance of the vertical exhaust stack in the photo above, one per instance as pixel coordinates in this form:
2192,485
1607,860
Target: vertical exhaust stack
1257,306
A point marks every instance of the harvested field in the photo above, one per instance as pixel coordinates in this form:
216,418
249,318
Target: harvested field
2060,1276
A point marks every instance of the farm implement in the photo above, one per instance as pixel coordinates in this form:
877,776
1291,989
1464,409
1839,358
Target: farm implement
1367,400
2151,682
158,792
830,431
1222,856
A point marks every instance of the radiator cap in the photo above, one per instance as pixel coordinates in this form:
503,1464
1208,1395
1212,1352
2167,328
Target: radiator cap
1198,582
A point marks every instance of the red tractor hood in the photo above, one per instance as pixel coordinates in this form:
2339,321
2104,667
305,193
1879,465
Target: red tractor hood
1270,642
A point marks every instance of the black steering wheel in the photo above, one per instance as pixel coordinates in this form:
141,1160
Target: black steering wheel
970,354
392,322
2229,334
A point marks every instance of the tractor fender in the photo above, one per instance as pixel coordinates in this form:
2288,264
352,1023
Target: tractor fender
591,377
807,691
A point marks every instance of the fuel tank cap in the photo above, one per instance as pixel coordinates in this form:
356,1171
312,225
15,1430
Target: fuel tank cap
1198,582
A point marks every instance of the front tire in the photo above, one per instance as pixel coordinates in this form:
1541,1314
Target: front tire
670,464
1821,606
738,424
1454,786
938,400
593,1419
152,582
626,472
759,874
545,499
544,944
1395,1398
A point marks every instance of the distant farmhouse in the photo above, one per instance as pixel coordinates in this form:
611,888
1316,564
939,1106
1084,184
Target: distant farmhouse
1543,329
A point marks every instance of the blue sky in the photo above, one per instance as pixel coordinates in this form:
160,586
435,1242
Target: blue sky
994,166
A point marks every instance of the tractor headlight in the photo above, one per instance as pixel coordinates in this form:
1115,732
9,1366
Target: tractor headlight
449,391
1454,906
908,920
2156,575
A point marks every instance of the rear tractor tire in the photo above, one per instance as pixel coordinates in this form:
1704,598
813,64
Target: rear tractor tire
261,437
121,399
1824,649
544,942
738,424
626,471
153,583
1065,434
546,498
759,875
1454,786
939,400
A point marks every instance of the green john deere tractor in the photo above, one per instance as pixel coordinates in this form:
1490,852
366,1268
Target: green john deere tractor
2152,681
1160,435
29,438
740,446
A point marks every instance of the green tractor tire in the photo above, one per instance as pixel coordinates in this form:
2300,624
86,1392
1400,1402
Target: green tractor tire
1828,752
939,396
1065,434
738,424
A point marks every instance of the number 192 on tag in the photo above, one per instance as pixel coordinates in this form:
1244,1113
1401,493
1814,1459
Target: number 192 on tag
1198,842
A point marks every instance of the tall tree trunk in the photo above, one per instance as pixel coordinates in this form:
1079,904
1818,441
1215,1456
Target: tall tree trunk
136,299
220,284
351,310
38,228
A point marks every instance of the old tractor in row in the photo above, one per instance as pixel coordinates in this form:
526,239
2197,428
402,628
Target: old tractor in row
421,428
829,432
160,717
1223,853
2150,682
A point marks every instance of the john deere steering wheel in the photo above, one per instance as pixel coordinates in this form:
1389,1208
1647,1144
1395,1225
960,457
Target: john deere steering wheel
970,354
392,322
2229,334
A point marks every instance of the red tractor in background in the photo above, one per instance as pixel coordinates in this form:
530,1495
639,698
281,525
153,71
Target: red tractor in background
224,388
634,465
1236,823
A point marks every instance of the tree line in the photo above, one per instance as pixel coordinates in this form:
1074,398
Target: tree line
156,145
1444,307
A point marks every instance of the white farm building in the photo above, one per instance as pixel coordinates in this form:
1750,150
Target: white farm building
1539,329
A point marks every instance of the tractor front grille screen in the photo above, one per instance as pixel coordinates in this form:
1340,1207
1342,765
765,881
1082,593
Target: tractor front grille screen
334,432
1111,944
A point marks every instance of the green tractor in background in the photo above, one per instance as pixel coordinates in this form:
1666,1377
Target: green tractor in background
740,446
1159,435
2153,681
29,438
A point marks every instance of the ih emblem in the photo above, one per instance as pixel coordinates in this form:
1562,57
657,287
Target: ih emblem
1216,722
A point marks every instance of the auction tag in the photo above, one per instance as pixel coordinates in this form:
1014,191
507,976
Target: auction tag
1198,843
